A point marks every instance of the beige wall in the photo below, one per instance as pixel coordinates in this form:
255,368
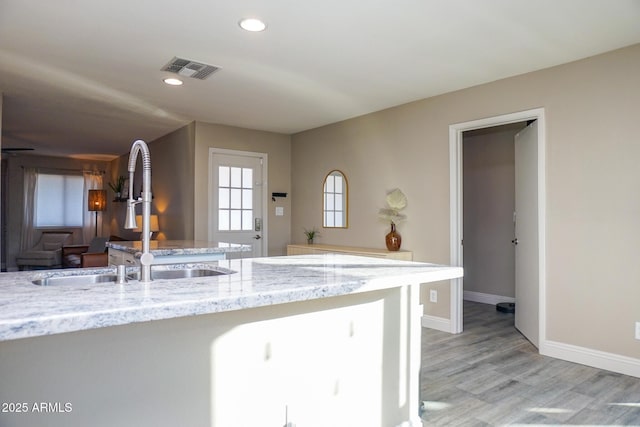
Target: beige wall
180,168
173,158
489,203
278,148
592,176
118,209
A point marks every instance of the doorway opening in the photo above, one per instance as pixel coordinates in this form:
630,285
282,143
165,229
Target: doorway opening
456,136
488,187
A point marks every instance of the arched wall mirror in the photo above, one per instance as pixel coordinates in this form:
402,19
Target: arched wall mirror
335,212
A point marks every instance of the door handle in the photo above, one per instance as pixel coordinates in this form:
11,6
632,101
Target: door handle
257,237
515,241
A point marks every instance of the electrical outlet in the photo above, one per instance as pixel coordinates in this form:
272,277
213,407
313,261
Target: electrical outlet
638,330
433,295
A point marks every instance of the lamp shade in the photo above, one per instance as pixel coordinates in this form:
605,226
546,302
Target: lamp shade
153,224
97,200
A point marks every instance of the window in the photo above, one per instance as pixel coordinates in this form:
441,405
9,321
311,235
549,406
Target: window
59,200
235,198
335,200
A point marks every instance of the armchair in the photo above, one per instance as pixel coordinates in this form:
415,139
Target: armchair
47,253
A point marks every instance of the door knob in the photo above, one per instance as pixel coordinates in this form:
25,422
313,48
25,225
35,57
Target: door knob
257,237
515,241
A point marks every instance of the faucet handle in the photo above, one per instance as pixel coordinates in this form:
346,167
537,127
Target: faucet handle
121,271
146,258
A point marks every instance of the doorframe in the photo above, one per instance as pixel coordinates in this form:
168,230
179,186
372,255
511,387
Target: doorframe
264,214
456,209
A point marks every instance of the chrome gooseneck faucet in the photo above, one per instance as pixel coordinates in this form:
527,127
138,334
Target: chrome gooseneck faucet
146,259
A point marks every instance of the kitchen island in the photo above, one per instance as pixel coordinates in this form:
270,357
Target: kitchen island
315,340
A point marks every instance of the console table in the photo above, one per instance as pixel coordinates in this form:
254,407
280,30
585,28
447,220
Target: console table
348,250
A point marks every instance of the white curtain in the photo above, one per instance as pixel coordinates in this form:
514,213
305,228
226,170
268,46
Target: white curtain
29,209
92,181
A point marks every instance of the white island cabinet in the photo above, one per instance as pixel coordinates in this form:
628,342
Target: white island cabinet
316,340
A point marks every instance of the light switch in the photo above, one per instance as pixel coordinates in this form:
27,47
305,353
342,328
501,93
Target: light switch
279,211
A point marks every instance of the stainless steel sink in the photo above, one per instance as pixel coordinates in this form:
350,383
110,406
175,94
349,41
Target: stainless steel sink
83,279
183,273
160,274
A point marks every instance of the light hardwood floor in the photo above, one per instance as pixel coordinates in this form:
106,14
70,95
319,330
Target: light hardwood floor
490,375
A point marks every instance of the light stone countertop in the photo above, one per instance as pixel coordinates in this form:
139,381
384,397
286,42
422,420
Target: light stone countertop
28,310
178,247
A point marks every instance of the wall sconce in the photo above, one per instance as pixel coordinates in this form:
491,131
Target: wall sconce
97,202
153,225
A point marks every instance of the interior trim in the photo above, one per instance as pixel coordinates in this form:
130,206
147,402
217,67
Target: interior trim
438,323
486,298
590,357
455,202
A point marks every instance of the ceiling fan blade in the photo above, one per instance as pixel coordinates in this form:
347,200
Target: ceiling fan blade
7,150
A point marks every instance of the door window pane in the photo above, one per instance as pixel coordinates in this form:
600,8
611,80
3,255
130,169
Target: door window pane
247,220
247,178
236,177
223,176
223,219
236,219
235,199
247,199
223,198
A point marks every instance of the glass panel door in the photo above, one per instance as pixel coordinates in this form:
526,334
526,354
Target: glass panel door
236,209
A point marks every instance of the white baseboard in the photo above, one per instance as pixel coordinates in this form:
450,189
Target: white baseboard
594,358
486,298
438,323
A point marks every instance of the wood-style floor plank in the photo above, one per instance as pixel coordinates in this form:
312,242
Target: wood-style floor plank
490,375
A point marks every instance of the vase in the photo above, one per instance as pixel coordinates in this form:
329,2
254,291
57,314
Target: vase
393,239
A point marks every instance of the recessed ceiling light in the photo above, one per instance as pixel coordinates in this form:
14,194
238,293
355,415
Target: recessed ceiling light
252,24
173,82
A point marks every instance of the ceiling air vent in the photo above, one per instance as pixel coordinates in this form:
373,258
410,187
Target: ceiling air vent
188,68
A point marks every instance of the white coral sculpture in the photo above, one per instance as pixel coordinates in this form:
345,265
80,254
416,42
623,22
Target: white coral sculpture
396,201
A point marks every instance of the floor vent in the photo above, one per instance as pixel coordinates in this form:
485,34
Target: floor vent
188,68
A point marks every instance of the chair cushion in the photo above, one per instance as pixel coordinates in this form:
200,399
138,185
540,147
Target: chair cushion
51,246
45,258
73,260
59,238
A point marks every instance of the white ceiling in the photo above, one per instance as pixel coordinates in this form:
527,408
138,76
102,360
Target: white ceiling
83,77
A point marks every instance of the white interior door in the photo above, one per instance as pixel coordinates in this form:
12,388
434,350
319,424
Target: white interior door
237,200
526,233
